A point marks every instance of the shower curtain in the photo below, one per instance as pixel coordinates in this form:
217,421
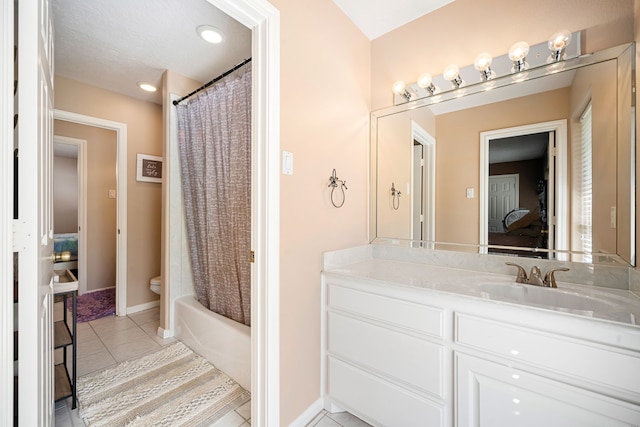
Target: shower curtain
214,137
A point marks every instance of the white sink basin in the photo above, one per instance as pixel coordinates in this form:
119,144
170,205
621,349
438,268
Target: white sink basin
585,302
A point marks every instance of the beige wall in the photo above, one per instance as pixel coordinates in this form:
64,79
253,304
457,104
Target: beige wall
101,211
459,31
458,156
65,195
177,277
324,121
144,135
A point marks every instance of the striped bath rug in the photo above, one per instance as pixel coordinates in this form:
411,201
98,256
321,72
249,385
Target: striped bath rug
170,387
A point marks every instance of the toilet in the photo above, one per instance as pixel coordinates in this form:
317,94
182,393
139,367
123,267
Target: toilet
155,284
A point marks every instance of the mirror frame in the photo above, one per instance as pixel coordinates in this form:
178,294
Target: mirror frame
617,53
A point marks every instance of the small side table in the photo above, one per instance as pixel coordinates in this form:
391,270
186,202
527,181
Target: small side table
65,336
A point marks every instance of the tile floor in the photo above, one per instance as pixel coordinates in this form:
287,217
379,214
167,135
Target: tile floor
103,343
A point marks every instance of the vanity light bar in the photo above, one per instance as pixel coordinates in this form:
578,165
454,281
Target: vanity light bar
537,56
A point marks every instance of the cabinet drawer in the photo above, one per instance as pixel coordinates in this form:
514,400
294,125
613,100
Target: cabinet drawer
401,357
404,314
378,400
581,359
489,394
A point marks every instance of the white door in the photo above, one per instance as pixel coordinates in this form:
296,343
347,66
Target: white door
552,219
34,227
503,198
417,198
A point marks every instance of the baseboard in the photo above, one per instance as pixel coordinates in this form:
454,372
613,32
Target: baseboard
141,307
309,414
164,333
96,290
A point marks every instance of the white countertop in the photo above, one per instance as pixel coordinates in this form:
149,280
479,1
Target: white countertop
587,301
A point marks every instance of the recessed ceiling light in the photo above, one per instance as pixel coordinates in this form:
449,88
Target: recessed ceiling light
210,34
147,86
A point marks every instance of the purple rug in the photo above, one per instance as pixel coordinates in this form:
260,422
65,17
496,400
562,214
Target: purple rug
94,305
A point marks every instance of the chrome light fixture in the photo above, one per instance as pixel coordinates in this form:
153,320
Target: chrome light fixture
557,45
425,81
400,88
483,64
452,73
518,54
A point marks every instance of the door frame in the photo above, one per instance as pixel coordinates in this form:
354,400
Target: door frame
264,20
6,211
121,200
81,145
428,142
560,187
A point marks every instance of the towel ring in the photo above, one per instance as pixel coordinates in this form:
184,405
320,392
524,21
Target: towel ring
333,183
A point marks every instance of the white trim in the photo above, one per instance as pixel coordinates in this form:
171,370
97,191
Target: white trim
142,307
308,415
121,202
429,142
561,194
81,145
264,20
6,212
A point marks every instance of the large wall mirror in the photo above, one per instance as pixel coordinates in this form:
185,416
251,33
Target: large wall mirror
541,164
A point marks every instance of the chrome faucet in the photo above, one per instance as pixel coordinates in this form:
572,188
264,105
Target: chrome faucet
535,277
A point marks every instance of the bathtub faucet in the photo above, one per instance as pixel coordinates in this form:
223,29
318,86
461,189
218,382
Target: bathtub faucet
535,277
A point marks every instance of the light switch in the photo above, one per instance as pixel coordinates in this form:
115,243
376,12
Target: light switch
112,194
287,163
614,222
470,193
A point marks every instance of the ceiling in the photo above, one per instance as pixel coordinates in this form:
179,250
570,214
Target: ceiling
377,17
113,44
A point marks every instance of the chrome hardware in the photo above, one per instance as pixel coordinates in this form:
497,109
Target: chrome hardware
522,274
535,277
550,279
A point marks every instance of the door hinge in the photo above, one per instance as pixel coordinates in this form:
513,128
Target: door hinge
252,257
20,235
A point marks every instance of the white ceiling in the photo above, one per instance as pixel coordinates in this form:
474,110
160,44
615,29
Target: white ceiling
377,17
113,44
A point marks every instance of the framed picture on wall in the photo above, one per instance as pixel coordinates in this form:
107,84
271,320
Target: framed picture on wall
149,168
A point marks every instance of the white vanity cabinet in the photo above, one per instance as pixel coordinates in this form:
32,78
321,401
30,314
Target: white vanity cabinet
399,355
385,357
508,375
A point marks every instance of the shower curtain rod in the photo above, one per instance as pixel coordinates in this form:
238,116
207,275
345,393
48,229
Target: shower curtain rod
206,85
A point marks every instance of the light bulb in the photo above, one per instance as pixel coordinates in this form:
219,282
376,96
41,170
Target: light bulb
560,40
452,73
517,54
425,81
518,51
483,61
146,86
483,64
210,34
557,44
399,88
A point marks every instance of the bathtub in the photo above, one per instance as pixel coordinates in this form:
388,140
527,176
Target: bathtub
222,341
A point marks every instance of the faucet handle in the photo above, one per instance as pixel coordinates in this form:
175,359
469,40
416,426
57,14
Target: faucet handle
522,274
550,278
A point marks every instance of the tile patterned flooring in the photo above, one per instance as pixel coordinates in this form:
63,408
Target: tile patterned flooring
103,343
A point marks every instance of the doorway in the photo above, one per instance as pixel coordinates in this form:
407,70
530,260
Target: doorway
69,199
551,190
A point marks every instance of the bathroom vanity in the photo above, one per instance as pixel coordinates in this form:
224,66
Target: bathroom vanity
419,344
